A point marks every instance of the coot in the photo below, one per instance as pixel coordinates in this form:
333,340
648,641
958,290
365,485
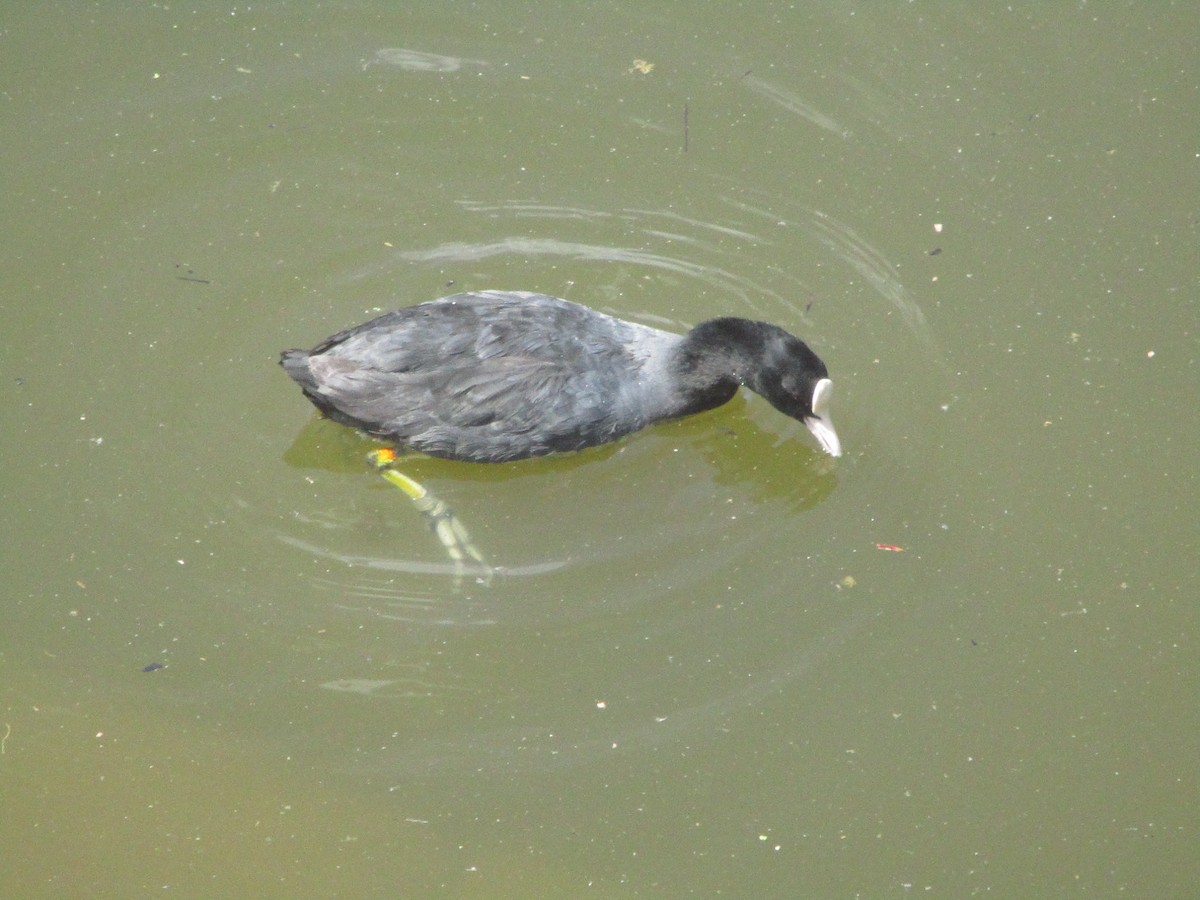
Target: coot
490,376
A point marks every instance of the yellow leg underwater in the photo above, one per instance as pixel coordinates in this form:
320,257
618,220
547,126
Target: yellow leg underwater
442,522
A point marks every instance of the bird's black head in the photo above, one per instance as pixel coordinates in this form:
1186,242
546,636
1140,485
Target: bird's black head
796,382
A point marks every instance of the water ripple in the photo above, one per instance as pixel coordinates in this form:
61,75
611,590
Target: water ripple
419,61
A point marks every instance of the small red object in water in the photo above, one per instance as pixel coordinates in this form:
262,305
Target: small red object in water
891,547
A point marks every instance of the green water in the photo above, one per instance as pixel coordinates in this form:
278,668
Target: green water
698,673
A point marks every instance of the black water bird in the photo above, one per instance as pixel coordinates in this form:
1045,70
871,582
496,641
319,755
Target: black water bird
490,376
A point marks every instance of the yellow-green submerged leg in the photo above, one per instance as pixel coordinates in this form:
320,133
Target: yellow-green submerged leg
449,531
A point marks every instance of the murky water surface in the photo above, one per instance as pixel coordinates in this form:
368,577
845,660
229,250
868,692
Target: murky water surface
712,661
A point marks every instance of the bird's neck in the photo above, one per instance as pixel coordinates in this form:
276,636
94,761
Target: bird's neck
716,357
